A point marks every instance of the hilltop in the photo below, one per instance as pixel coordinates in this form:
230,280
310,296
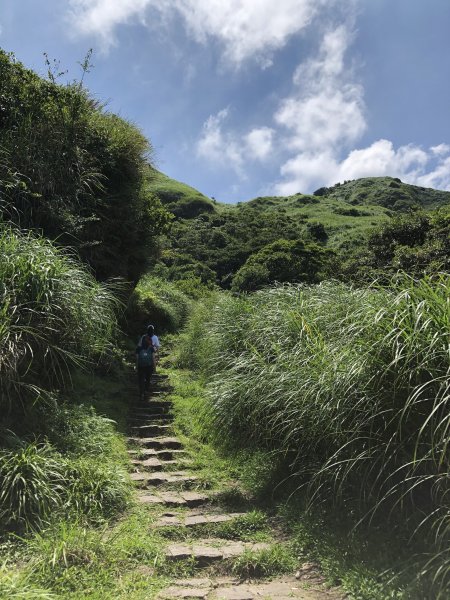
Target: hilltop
212,241
345,211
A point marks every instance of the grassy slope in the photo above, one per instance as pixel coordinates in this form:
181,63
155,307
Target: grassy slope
347,211
174,194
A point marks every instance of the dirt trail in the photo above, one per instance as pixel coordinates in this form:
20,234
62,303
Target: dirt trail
161,471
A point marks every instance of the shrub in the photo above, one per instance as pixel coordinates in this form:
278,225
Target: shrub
158,302
17,586
351,384
283,260
95,489
75,172
31,485
53,315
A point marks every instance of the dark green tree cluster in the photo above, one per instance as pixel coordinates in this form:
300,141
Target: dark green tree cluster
76,173
417,243
214,246
282,261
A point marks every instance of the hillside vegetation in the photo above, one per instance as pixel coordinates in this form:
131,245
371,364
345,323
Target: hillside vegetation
219,244
75,172
328,383
346,390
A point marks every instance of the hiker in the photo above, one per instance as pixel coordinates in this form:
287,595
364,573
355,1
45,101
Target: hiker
145,362
156,345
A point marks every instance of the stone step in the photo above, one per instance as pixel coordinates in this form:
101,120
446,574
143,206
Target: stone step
208,551
166,455
175,479
195,520
174,499
148,464
145,417
144,452
160,443
225,588
154,400
155,403
171,454
150,430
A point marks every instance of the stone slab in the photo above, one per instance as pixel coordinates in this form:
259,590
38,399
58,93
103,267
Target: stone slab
193,499
151,463
187,594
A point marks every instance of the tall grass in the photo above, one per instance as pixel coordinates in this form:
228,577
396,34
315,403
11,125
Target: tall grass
157,301
53,315
351,385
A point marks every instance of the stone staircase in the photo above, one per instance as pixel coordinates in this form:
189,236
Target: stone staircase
158,462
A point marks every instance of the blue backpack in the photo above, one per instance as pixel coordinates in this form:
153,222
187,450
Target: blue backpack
145,352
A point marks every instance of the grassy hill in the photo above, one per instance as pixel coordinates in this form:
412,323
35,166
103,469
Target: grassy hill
182,200
341,215
212,241
348,211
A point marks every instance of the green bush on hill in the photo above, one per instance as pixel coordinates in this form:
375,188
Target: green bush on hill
53,316
417,243
76,173
158,302
283,260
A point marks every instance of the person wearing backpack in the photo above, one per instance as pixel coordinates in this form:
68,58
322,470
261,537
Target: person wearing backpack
145,363
156,345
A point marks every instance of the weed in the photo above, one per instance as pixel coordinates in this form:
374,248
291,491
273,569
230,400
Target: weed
276,560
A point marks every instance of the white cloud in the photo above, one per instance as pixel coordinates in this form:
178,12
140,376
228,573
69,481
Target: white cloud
440,149
410,163
306,172
246,28
259,142
326,107
325,116
382,159
101,17
228,149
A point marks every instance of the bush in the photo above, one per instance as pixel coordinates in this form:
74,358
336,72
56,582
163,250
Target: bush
353,385
98,490
158,302
283,260
31,485
37,483
53,315
17,586
75,172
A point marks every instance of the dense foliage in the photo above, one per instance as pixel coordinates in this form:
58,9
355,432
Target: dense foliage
417,243
283,260
159,302
215,246
75,172
351,386
53,316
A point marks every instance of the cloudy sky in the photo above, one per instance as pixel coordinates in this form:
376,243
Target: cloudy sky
243,98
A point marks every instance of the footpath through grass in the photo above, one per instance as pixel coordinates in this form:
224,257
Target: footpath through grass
368,563
79,558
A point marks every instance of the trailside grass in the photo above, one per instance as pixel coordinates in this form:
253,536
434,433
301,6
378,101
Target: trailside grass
346,389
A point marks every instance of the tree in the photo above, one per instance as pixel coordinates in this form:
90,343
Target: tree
282,260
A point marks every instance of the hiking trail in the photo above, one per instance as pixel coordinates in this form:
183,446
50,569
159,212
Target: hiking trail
160,469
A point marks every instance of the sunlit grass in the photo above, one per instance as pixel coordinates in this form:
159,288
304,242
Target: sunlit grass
351,385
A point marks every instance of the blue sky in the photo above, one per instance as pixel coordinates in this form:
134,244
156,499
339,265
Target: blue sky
243,98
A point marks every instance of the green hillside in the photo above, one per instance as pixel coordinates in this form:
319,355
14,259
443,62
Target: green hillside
349,210
213,241
181,199
346,211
